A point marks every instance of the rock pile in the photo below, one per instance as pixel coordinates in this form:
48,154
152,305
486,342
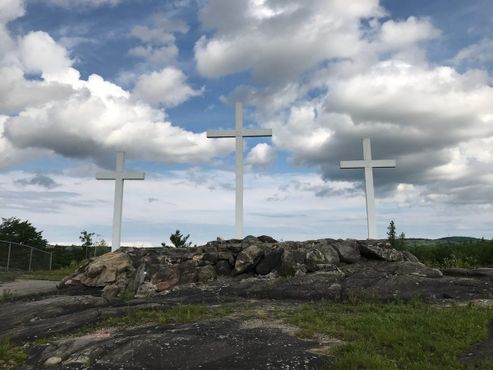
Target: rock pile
148,271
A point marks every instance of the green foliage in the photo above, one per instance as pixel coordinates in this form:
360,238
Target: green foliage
395,336
86,238
391,233
178,240
64,255
465,254
14,230
11,356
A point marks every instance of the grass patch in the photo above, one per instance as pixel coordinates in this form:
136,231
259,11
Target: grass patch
396,336
53,275
6,296
7,276
11,356
177,314
467,254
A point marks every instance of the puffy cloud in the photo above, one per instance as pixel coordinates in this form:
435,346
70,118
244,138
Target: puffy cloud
11,9
398,35
41,54
167,87
17,93
435,121
63,114
261,154
277,40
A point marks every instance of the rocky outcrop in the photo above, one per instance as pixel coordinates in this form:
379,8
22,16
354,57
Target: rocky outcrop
158,270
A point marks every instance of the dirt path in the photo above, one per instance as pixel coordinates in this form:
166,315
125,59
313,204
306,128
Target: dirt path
21,287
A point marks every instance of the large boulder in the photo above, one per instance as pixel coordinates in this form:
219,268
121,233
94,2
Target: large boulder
248,259
348,250
379,250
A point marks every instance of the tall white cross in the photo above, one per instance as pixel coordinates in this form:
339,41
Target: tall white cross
239,133
119,176
368,164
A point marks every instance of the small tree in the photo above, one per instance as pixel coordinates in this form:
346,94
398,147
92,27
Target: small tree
391,234
178,240
14,230
86,239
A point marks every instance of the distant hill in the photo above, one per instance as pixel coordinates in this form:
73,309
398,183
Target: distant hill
457,239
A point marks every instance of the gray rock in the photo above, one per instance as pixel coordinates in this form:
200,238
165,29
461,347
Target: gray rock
248,259
270,262
313,259
223,268
378,250
52,361
206,274
348,250
408,256
292,261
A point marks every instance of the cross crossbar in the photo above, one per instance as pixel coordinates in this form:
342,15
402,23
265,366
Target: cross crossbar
239,133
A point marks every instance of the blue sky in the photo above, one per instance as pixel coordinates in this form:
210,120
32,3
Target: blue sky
82,79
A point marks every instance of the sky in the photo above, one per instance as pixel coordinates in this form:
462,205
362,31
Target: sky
83,79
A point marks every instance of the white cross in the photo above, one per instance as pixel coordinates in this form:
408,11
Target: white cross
239,133
368,164
119,176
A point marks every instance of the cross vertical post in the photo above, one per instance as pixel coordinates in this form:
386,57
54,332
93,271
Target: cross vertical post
119,176
369,164
239,173
239,133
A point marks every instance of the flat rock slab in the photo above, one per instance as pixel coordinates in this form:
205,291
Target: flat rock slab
23,288
214,344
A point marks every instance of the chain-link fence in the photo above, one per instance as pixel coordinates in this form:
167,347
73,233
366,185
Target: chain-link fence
21,257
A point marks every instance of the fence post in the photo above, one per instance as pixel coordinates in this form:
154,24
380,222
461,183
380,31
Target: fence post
30,259
8,257
51,259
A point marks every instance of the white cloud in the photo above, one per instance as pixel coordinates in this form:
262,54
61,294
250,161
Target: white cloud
158,40
278,40
11,9
41,54
480,52
403,34
261,155
167,87
435,121
63,114
155,55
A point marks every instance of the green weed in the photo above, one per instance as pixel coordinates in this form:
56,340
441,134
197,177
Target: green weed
11,356
396,336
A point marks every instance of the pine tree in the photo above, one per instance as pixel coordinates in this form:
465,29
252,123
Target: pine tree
178,240
391,233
